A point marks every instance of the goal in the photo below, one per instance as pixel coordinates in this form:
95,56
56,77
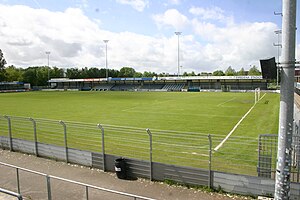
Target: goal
256,95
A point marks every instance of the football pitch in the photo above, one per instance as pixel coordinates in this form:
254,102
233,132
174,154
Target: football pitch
206,112
203,113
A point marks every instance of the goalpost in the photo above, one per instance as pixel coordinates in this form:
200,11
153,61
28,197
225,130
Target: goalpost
256,95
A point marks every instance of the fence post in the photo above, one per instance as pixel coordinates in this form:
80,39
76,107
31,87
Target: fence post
209,162
35,136
65,138
9,133
87,192
48,187
18,180
103,146
150,151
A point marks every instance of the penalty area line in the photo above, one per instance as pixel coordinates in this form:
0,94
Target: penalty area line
235,127
220,104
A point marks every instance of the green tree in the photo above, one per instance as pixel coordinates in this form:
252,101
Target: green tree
56,72
230,71
126,72
138,75
253,71
36,76
42,76
189,74
192,74
205,74
94,73
13,74
218,73
242,72
149,74
29,76
185,74
73,73
163,74
113,73
2,66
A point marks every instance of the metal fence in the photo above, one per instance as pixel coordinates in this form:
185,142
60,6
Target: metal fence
49,179
267,156
12,194
185,157
237,154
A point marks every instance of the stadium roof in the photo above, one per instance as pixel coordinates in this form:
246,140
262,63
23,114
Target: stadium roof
56,80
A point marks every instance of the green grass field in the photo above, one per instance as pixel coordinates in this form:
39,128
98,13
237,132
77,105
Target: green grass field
214,113
203,113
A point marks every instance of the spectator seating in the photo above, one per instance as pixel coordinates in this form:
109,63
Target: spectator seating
173,87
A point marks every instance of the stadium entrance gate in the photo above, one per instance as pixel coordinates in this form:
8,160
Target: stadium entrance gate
267,156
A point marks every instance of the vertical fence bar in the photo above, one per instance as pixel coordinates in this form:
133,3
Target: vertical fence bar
103,146
35,136
48,187
87,192
209,162
65,138
259,155
9,133
18,180
150,153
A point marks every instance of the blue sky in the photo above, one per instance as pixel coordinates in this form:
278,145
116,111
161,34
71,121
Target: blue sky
216,34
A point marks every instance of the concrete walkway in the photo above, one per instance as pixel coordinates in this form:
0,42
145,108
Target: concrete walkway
34,186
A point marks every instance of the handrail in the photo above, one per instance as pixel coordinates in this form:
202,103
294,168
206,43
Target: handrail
19,196
77,183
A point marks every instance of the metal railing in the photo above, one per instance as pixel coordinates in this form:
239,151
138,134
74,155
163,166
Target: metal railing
10,193
48,184
238,154
172,147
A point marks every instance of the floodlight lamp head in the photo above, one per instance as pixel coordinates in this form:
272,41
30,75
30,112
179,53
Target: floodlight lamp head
178,33
278,31
106,41
47,52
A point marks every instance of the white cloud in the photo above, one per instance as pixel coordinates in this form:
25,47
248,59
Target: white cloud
236,45
75,40
138,5
171,17
213,13
25,37
174,2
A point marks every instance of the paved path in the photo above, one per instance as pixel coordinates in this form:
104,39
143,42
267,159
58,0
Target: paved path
34,186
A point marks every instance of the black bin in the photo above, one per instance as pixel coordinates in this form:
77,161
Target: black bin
120,168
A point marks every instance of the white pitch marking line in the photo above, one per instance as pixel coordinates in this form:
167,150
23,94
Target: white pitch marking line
235,127
226,101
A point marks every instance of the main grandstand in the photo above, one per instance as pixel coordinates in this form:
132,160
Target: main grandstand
188,83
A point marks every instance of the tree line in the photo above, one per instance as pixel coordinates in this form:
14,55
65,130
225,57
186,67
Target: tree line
38,75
